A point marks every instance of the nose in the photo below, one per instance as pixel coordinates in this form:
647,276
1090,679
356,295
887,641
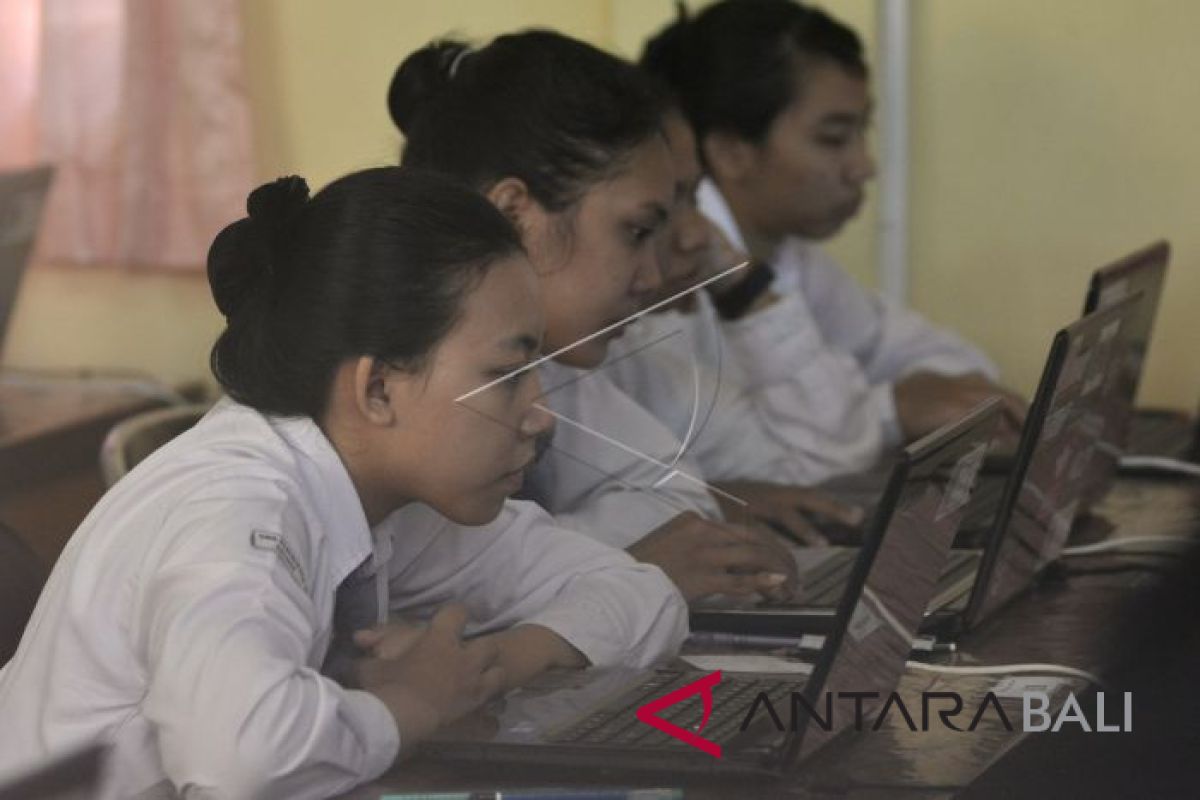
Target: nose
861,167
537,420
692,231
649,274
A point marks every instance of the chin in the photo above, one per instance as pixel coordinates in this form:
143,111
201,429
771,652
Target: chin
476,513
820,231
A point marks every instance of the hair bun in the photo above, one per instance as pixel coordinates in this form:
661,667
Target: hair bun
421,77
273,205
664,54
247,253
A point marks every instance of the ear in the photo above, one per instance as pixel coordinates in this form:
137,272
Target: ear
371,389
729,157
512,197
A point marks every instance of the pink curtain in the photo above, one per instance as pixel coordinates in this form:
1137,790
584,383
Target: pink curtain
142,106
20,21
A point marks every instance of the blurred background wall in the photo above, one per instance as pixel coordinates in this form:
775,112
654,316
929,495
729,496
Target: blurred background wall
1047,138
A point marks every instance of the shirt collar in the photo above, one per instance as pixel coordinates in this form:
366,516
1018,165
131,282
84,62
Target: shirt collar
335,500
713,206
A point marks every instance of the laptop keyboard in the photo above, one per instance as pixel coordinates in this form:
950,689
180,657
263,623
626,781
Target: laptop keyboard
616,724
824,583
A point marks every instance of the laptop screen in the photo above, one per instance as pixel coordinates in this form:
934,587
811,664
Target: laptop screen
1141,273
895,576
1144,272
1053,457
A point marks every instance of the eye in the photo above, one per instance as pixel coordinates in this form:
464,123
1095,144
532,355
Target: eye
509,378
834,141
841,135
643,230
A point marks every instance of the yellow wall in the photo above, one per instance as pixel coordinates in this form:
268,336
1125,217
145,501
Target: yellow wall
1050,138
319,71
1047,139
106,319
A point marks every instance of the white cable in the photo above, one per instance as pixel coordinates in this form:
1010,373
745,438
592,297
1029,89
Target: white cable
1007,669
1161,464
1124,543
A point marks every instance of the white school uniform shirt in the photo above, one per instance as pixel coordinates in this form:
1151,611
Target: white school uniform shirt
187,620
613,471
804,390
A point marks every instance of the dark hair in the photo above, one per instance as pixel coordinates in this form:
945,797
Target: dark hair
555,112
375,264
733,67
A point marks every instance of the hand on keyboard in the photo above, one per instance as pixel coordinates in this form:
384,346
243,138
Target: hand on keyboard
788,510
836,532
704,558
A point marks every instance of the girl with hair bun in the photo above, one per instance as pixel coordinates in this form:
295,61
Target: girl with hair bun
216,618
567,142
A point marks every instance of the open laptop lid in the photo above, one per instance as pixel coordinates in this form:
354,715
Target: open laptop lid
895,574
1045,490
1142,272
22,197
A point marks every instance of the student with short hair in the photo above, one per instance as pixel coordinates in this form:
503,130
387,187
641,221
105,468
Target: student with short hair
566,141
776,94
188,620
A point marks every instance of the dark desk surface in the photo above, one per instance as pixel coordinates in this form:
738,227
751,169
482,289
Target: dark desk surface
1060,621
50,435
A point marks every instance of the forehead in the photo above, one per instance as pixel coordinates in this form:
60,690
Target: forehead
646,181
828,90
505,303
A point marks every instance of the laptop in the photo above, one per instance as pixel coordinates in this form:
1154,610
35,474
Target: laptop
973,578
1142,271
22,197
1058,459
589,718
1154,432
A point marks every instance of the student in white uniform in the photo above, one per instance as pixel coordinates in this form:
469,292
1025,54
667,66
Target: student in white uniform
750,435
566,140
187,621
778,99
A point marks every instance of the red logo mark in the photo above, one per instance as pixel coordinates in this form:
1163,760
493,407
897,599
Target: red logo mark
702,686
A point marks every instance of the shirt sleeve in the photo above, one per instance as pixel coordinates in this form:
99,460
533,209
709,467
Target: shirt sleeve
525,568
811,396
613,472
888,341
229,634
691,384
